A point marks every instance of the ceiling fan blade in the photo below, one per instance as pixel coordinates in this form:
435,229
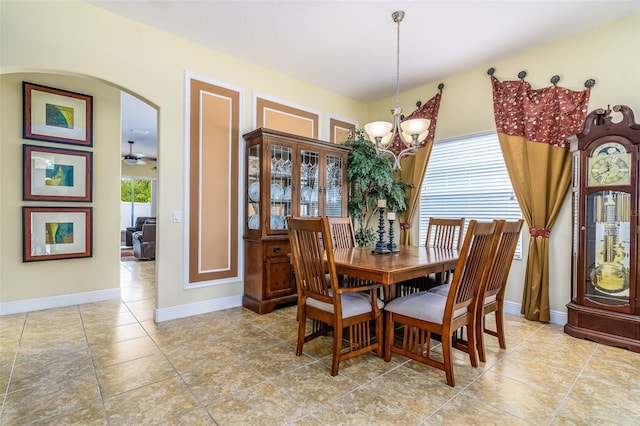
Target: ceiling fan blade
137,157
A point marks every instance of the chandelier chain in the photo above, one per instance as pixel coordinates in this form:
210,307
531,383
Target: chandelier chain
411,132
398,20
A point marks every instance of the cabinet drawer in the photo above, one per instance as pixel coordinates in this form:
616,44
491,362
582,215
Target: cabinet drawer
280,248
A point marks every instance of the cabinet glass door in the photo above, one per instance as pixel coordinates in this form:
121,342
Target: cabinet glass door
333,186
309,183
280,189
253,187
608,250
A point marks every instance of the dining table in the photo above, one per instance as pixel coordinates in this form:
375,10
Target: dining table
391,268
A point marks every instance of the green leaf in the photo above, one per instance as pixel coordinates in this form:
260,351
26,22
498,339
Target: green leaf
371,177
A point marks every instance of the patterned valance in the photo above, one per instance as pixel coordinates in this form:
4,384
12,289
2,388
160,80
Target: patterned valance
547,115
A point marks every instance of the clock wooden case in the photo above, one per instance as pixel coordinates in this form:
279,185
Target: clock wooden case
604,303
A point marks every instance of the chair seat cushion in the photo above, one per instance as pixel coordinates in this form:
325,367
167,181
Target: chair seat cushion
490,299
425,306
352,304
443,290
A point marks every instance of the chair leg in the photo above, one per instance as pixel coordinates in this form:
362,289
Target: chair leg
302,322
378,325
480,337
337,349
388,335
471,344
500,327
446,355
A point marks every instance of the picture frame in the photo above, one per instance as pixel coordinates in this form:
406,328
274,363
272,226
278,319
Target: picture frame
52,233
56,115
55,174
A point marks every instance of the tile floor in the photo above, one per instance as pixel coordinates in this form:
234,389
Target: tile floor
109,363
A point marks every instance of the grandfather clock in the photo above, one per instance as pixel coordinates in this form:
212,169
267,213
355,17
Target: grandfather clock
604,303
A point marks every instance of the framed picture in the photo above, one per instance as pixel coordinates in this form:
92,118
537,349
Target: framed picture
56,115
54,174
51,233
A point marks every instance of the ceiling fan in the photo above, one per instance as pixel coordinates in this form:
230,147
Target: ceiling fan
134,159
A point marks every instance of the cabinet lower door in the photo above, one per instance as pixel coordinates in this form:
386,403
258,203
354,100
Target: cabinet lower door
278,282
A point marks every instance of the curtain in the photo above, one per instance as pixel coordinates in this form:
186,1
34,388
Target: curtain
533,126
413,167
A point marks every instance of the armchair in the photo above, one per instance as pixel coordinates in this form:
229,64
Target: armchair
128,236
144,242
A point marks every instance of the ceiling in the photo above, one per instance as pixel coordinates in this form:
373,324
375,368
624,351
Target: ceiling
139,123
349,47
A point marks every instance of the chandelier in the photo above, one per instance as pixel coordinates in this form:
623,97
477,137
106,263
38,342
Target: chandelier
411,132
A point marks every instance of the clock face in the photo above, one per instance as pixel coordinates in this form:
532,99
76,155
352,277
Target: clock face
609,165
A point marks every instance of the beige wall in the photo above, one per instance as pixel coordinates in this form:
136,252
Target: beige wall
60,277
90,51
97,49
609,54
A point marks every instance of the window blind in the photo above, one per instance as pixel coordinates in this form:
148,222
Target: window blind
466,177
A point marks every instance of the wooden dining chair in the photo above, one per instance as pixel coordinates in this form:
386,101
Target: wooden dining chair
420,315
320,298
445,233
494,285
343,236
441,233
342,233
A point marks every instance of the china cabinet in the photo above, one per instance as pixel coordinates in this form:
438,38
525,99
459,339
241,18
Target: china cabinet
605,291
286,175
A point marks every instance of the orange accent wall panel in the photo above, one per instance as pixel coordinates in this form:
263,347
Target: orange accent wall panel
213,183
339,130
275,116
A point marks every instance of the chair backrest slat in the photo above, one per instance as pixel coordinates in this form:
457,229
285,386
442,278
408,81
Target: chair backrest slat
342,233
446,233
306,236
472,264
503,258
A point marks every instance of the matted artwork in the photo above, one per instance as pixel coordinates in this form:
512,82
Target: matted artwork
54,174
56,115
51,233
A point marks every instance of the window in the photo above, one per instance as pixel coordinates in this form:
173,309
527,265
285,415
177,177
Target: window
466,177
135,200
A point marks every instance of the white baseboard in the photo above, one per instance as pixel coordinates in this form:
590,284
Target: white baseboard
182,311
556,317
175,312
28,305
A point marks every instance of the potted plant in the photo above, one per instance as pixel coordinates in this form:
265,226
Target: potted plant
370,177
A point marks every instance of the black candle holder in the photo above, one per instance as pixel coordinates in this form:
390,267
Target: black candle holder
381,246
392,247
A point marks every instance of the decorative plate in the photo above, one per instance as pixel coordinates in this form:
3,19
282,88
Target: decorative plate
254,221
306,193
278,222
254,192
287,193
277,193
